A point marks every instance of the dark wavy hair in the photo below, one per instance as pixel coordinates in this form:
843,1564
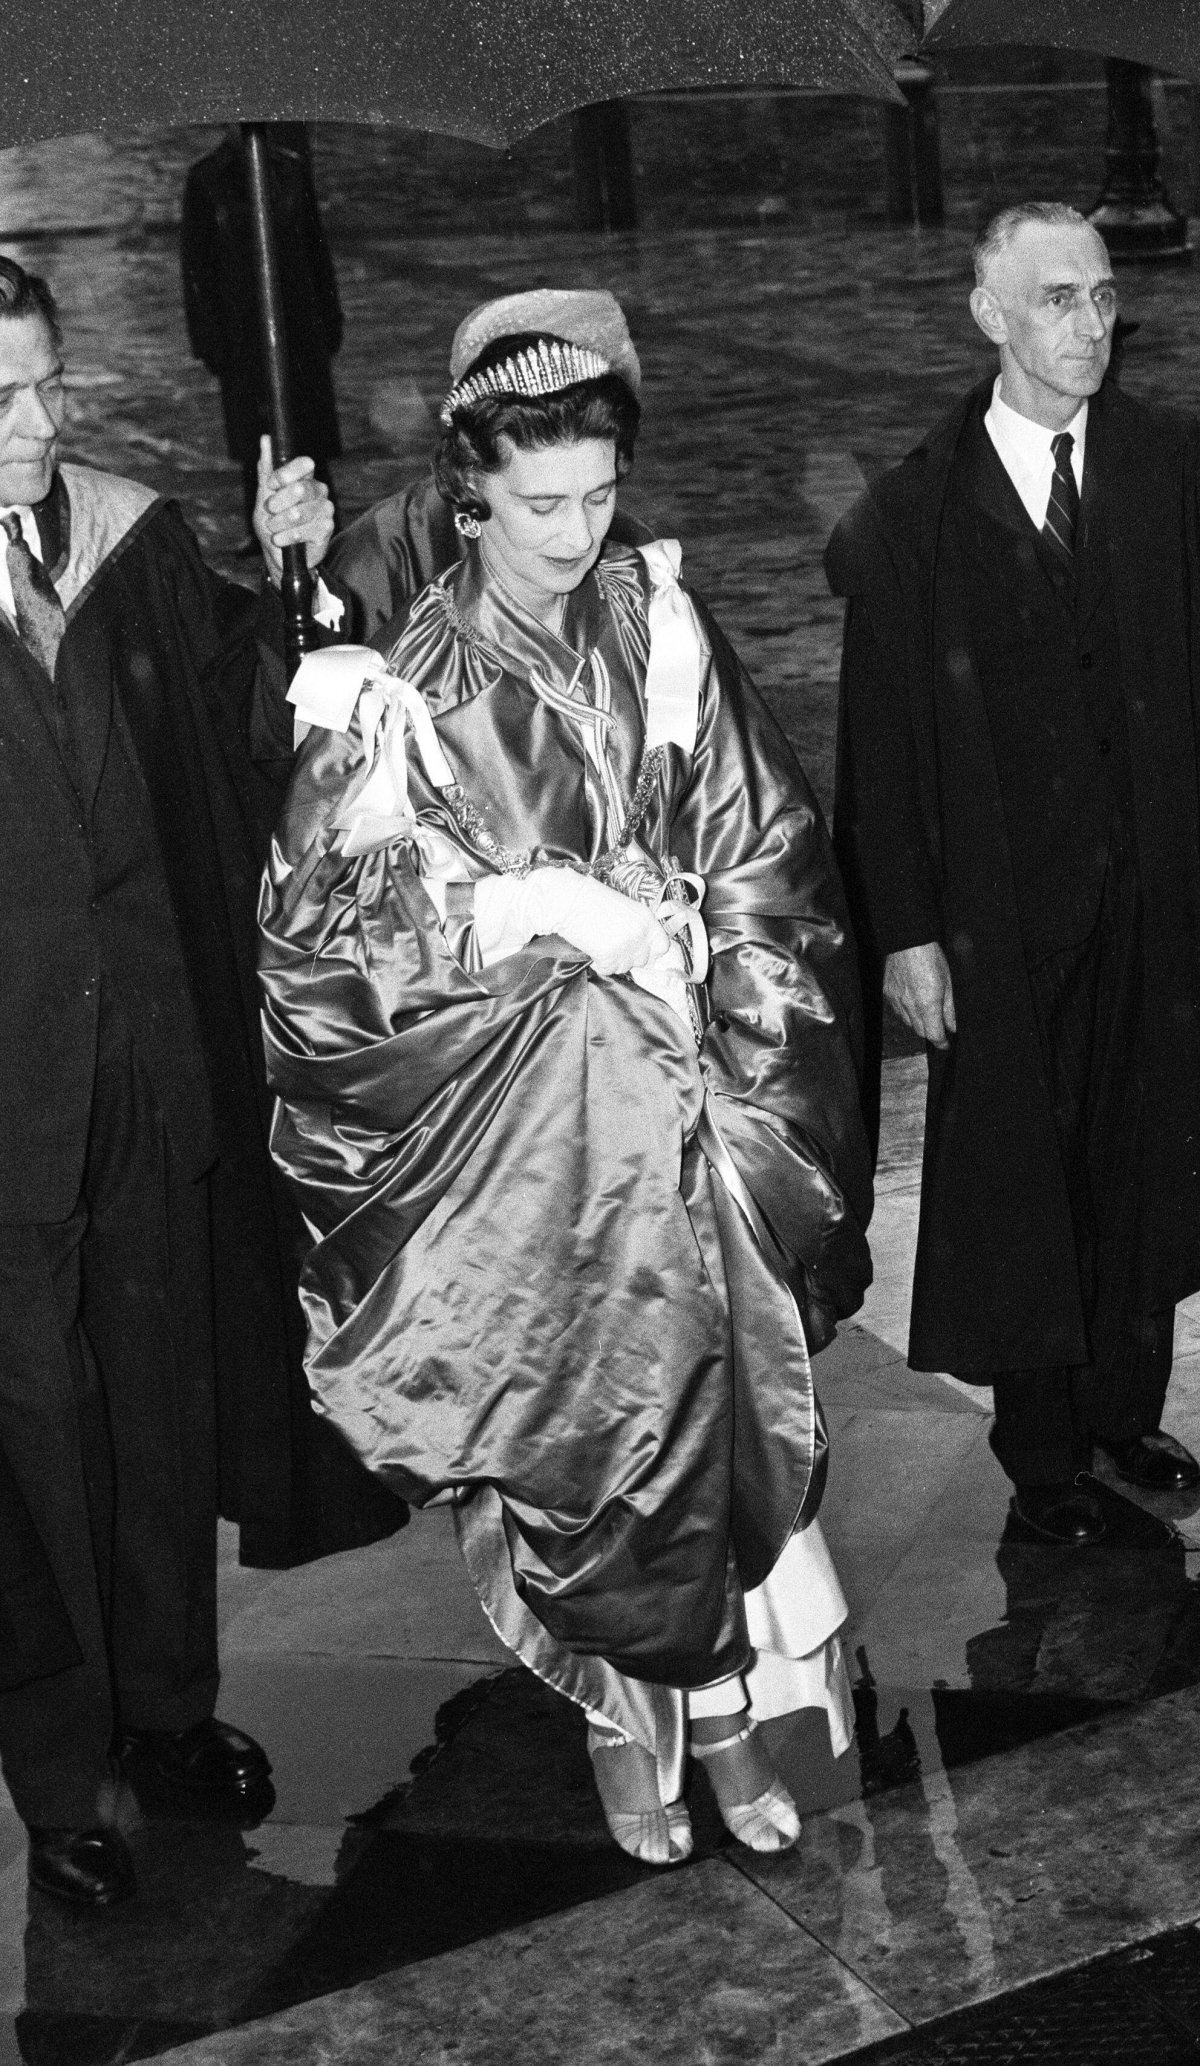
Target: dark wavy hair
26,294
474,441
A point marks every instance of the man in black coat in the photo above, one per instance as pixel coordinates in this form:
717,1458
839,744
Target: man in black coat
220,300
1017,819
150,1332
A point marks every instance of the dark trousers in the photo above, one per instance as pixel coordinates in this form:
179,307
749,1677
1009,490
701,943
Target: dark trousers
107,1423
1087,1000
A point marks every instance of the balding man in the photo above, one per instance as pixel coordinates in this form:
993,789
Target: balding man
1017,820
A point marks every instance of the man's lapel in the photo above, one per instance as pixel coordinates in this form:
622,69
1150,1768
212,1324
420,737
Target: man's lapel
1093,573
1128,505
27,716
85,677
83,674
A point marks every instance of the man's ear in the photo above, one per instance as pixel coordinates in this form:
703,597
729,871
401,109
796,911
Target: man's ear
989,315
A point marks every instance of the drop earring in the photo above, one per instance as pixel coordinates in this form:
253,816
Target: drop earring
466,525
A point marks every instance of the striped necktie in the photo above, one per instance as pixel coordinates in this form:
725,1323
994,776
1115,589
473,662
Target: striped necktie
1062,513
40,617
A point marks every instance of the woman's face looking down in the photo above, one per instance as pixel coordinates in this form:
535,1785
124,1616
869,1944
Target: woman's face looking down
551,510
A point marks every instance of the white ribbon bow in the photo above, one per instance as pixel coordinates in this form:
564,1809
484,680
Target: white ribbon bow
326,690
677,647
678,913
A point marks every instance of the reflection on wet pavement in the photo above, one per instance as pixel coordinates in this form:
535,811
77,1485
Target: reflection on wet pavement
434,1878
436,1840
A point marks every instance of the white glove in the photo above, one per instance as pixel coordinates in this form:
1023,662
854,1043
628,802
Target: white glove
617,933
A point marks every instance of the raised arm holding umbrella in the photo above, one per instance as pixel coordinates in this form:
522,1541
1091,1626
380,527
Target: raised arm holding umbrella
227,195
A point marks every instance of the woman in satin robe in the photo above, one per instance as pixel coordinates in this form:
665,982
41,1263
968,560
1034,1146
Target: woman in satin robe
560,1009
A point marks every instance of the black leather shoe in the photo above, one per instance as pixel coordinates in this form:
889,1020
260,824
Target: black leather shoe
211,1759
1157,1462
90,1866
1067,1514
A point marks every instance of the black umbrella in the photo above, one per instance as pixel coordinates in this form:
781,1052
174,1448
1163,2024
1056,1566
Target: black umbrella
1162,33
489,70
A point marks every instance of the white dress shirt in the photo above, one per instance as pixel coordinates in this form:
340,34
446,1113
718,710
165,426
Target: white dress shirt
29,532
1025,453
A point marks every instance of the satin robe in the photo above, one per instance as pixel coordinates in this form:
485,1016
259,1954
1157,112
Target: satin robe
564,1252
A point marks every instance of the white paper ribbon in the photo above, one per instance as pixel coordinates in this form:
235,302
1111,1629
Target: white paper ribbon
677,648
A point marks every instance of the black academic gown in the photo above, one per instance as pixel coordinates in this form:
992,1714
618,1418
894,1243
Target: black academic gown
180,669
922,839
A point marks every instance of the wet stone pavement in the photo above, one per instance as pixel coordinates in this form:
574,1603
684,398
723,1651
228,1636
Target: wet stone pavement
1005,1865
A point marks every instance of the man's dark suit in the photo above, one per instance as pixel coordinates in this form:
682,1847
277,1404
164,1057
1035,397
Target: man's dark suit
1017,781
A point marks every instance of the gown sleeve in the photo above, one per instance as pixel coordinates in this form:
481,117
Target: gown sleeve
782,1048
373,1007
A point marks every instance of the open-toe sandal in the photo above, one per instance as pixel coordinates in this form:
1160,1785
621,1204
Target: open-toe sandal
767,1823
660,1835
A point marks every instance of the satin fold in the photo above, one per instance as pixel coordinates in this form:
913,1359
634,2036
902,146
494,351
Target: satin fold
532,1285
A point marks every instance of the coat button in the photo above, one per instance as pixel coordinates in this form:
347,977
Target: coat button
1105,748
1087,659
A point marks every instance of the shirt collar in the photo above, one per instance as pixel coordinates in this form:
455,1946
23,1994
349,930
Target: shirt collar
1029,443
46,525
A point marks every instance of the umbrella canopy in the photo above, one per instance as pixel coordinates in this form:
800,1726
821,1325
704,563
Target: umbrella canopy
488,70
1161,33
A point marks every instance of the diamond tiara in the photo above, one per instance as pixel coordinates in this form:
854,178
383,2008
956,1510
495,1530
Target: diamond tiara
544,368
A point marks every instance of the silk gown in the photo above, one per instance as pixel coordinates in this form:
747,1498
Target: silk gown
571,1237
